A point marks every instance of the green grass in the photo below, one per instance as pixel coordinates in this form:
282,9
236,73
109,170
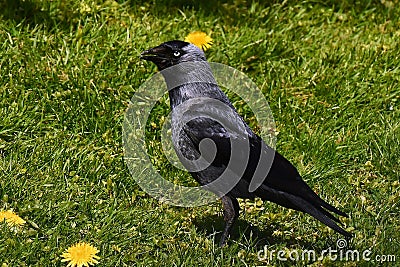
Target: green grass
330,72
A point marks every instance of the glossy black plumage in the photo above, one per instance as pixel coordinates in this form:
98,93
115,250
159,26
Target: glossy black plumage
282,185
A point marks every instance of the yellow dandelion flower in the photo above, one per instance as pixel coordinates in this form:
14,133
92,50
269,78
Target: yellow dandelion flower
199,39
11,218
81,254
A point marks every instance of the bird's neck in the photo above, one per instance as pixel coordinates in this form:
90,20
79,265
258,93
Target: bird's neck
191,80
184,92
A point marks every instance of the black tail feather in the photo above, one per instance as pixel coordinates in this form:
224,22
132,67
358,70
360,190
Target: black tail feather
309,195
321,215
331,208
314,207
326,213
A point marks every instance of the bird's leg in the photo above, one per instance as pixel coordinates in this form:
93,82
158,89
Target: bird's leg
231,213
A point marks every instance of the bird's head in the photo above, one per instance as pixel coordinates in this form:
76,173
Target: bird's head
172,53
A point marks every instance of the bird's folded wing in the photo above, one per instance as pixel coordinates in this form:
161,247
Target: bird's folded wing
202,128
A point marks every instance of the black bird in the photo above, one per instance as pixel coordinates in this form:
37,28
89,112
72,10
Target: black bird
190,81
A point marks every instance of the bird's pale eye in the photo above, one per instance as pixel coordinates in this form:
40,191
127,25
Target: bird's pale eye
177,54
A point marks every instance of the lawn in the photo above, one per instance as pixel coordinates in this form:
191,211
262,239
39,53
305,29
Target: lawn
330,71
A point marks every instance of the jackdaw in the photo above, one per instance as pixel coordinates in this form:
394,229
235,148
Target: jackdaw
190,82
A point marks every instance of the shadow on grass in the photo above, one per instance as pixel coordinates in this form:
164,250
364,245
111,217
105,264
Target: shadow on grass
244,231
61,14
26,12
240,10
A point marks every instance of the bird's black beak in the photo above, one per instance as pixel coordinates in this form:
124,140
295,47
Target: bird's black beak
155,54
159,55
